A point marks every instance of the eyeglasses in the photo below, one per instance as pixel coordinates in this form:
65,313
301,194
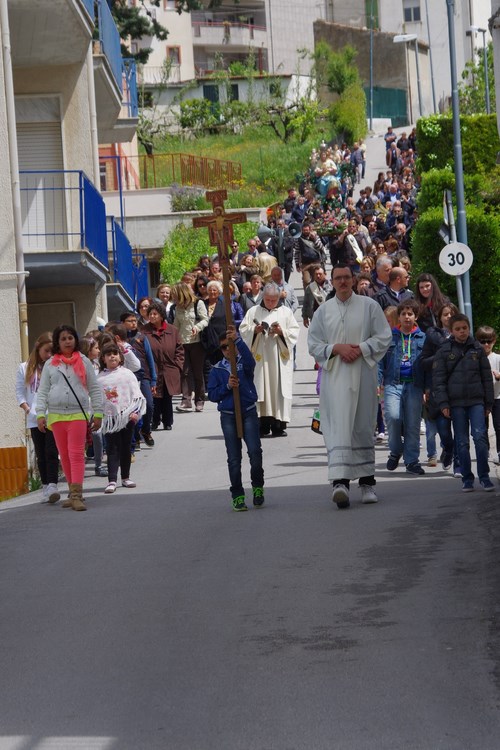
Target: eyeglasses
201,283
131,320
485,341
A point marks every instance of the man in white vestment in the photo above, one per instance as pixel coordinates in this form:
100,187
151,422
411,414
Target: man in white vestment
271,331
348,336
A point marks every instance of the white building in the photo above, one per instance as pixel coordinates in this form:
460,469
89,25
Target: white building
61,94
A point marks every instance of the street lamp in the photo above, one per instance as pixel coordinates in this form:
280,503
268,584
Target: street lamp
477,30
403,38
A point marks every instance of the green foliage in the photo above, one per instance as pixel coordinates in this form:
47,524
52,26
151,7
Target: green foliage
484,240
184,246
337,70
199,115
472,89
490,192
187,198
348,114
480,142
436,181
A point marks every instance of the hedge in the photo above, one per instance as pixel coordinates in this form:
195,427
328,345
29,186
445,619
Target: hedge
348,114
436,181
484,240
480,142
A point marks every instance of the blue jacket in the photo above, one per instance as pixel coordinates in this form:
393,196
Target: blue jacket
218,379
390,365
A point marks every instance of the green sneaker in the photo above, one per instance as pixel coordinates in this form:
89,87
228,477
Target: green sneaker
239,503
258,496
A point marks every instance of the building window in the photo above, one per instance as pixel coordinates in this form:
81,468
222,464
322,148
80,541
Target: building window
174,55
169,4
154,274
411,11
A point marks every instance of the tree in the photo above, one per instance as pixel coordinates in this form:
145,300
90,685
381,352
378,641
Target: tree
472,89
336,70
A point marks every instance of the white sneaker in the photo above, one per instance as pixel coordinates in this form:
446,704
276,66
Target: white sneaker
45,493
380,437
110,488
340,495
53,494
368,494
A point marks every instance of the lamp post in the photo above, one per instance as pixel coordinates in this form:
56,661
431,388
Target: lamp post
457,149
371,66
477,30
403,38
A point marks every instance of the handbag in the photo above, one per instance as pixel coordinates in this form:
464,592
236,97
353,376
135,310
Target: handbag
89,434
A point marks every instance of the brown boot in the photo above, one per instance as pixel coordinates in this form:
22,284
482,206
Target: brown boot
67,503
76,497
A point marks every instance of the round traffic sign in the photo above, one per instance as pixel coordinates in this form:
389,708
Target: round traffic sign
456,258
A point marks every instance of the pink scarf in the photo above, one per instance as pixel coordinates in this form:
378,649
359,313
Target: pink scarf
75,361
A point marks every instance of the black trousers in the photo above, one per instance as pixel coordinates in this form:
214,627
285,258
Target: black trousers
46,454
118,447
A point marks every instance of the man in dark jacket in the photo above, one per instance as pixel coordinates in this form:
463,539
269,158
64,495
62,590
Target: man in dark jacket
221,385
463,390
396,290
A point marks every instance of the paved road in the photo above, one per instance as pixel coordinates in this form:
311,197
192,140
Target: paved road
162,620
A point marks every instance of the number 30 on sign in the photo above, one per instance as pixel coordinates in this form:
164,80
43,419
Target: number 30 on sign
456,258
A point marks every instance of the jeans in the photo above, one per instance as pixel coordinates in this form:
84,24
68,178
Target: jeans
148,415
462,416
403,410
234,453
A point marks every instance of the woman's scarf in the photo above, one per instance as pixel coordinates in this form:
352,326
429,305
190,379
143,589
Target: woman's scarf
75,361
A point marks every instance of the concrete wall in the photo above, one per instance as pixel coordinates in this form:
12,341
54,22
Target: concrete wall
394,65
12,422
52,306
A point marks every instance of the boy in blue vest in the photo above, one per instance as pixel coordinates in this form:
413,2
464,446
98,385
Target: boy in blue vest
220,390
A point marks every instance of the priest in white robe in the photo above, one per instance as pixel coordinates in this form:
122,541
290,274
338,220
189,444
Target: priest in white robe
271,331
348,336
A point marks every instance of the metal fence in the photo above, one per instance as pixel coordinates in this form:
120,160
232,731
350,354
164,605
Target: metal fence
130,88
163,170
89,7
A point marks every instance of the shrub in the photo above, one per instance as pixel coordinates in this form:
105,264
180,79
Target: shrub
186,198
199,115
184,245
348,114
436,181
484,240
480,142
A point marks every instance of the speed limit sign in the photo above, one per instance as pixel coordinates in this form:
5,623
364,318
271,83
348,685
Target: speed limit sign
456,258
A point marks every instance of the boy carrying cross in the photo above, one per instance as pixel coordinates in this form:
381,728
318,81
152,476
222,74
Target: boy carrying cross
220,390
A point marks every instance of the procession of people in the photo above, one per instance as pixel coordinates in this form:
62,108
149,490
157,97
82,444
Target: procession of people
386,356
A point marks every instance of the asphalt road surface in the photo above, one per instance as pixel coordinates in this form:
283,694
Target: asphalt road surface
162,620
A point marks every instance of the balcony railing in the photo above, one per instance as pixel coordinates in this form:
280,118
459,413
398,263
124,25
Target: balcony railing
162,170
110,40
227,32
158,74
62,210
129,268
89,6
130,87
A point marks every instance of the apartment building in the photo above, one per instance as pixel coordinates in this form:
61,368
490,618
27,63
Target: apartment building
64,89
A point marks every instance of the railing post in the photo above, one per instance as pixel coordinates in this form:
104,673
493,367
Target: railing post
82,220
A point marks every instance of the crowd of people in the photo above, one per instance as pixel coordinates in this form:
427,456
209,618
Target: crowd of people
387,355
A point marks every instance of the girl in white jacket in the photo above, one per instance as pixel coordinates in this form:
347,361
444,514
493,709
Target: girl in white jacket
27,383
123,406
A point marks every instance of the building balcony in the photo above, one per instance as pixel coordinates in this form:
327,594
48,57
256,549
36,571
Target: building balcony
64,229
158,75
50,32
230,35
128,273
125,125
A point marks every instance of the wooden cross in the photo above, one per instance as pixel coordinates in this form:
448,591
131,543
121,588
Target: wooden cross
220,231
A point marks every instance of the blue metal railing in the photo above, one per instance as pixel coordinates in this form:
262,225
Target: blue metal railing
123,267
130,73
62,210
141,276
94,220
89,6
110,40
